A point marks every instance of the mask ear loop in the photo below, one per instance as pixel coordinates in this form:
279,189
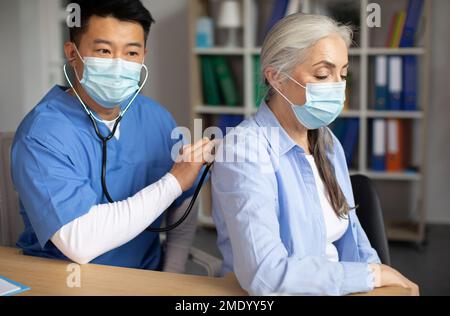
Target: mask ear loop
295,81
137,92
89,112
289,101
279,92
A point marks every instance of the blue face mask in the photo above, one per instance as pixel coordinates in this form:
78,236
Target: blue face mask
109,82
324,103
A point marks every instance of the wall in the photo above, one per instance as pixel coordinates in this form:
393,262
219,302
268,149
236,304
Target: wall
168,57
438,179
24,56
11,106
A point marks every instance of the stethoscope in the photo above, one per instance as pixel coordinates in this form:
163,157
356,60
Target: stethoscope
105,141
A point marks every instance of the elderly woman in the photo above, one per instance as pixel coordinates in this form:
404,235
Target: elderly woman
286,220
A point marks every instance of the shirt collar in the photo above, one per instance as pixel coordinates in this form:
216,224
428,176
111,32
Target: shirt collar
265,118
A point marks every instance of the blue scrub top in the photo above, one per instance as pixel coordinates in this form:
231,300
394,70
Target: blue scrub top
56,169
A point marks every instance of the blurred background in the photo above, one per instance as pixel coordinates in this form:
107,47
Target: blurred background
204,62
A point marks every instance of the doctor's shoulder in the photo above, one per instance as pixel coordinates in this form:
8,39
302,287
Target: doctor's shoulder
45,123
152,110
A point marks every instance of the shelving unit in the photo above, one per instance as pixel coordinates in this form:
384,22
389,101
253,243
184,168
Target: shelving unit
412,226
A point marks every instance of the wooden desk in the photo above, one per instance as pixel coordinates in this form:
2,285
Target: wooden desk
49,277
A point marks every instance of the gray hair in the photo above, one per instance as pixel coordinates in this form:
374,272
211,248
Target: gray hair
288,42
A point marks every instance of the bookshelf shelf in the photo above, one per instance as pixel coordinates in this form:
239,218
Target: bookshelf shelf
401,231
219,51
363,55
397,176
256,50
396,114
388,176
395,51
351,114
222,109
351,52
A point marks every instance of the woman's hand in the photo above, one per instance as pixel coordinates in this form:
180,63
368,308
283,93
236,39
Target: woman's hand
190,162
387,276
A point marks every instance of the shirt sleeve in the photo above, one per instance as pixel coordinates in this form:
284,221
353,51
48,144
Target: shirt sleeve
112,225
51,189
245,195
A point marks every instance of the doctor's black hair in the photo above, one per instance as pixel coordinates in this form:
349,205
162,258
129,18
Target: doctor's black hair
123,10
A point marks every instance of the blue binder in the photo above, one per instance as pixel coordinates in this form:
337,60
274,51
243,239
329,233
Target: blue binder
414,13
278,12
410,83
350,139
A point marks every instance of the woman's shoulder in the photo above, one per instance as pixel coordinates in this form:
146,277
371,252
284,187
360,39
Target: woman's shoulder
247,134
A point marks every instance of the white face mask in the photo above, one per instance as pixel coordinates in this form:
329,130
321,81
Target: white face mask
324,103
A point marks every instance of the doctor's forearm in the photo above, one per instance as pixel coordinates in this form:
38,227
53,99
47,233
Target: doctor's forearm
108,226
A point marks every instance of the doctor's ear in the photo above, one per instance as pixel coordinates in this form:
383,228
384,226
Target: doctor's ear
71,54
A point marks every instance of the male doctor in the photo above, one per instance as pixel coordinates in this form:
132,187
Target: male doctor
92,162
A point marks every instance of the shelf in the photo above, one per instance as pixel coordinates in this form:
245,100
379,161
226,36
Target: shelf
220,109
396,51
394,176
205,221
350,114
351,52
398,176
223,109
395,114
220,51
403,231
373,51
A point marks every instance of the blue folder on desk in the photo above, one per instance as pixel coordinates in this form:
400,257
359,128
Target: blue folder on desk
9,287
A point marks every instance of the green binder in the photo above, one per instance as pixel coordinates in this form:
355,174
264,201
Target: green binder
210,87
226,82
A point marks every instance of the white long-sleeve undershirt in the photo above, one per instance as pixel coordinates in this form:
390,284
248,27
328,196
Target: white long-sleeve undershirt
108,226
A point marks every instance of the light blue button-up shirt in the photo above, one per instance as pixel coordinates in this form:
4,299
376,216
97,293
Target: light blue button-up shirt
270,224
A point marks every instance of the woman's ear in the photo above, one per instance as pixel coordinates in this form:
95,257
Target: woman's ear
274,78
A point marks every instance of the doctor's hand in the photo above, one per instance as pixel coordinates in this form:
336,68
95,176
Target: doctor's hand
191,160
387,276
